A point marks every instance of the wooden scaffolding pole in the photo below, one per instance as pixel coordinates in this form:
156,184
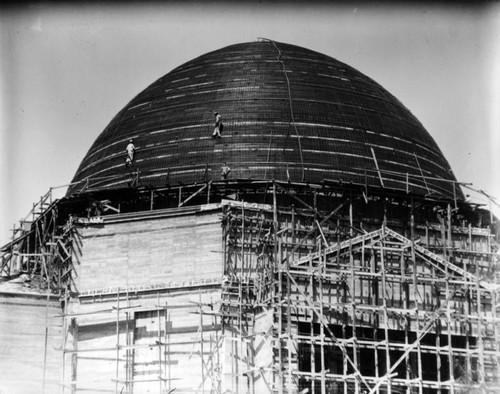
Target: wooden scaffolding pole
117,341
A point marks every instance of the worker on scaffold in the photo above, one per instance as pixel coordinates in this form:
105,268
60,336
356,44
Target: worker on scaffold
130,153
225,171
218,126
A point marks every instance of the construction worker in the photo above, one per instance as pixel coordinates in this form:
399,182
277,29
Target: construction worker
226,281
130,153
218,126
225,171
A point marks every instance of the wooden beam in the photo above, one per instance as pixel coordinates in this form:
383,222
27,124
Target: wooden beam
194,194
422,173
295,197
376,166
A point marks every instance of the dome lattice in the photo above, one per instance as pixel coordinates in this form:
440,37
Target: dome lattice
289,114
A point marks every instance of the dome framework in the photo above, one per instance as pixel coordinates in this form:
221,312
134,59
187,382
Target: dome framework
274,279
289,114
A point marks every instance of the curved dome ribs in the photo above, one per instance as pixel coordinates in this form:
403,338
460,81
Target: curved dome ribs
292,117
289,114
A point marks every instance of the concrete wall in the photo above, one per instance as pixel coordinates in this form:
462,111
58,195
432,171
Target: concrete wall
149,251
164,263
160,335
23,336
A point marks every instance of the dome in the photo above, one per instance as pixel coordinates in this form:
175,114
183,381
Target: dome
289,114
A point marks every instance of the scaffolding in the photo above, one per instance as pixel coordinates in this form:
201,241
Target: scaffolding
141,363
41,245
362,308
323,291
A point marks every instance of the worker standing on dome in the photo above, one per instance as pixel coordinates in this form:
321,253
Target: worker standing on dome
130,152
225,170
218,126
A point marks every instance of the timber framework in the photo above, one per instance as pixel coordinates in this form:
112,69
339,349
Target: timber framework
305,289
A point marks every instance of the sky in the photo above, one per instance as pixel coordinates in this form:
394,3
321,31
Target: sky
66,70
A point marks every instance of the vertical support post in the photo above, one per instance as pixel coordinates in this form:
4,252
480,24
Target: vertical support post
240,288
289,321
375,317
242,267
448,297
250,362
224,240
160,345
490,255
455,193
467,345
201,344
312,333
437,325
277,298
471,247
167,349
14,253
412,222
375,350
117,340
321,326
239,349
353,310
128,366
442,226
275,215
46,335
74,356
417,319
351,219
407,360
495,329
218,354
448,329
315,204
384,306
450,241
491,212
479,322
64,337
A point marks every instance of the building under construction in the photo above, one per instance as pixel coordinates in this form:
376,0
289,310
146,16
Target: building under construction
338,255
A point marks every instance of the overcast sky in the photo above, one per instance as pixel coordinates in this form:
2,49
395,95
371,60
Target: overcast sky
65,71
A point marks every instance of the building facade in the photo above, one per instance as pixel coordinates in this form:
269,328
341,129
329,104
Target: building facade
338,254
